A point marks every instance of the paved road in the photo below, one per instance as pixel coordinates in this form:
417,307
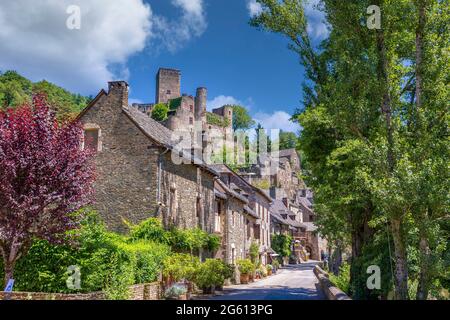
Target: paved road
293,282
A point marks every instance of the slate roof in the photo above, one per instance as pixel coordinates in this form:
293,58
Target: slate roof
161,135
150,127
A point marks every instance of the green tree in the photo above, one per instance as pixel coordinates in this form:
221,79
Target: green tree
287,140
159,112
241,118
374,123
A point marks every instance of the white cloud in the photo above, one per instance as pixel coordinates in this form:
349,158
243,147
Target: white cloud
317,29
222,100
277,120
36,42
173,34
254,8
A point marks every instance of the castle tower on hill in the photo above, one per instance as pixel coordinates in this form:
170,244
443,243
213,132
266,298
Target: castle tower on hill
187,111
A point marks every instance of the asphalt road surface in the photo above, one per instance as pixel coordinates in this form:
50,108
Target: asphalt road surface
293,282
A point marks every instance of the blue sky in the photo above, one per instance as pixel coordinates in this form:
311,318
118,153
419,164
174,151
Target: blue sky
210,41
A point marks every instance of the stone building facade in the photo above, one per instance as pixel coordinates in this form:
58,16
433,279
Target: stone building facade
258,207
136,177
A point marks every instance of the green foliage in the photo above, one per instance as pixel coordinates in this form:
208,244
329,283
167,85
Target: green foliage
159,112
287,140
281,244
262,184
241,118
246,266
254,252
374,140
217,120
108,262
342,281
212,273
181,266
151,229
15,90
180,240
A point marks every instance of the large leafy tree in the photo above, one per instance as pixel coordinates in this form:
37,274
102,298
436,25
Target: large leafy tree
375,130
45,177
241,118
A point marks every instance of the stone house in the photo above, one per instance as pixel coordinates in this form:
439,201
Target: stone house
258,206
235,223
136,176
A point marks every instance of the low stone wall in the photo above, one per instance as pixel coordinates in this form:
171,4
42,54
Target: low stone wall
50,296
329,288
146,291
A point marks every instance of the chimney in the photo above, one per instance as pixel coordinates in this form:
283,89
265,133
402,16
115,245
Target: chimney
200,103
119,89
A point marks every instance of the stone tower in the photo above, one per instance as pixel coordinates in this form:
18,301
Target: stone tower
167,85
200,104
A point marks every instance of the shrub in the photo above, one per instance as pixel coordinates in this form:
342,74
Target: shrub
342,281
150,229
281,244
275,264
181,266
269,267
245,266
175,291
159,112
213,242
108,262
254,252
212,273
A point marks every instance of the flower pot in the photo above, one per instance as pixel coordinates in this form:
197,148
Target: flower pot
183,297
269,272
244,278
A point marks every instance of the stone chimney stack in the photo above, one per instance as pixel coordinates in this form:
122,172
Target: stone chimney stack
200,103
119,90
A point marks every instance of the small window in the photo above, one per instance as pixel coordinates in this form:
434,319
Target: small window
191,120
229,113
191,108
91,139
168,92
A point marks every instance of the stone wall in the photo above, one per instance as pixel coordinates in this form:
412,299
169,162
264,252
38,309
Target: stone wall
50,296
184,187
329,288
236,234
126,165
147,291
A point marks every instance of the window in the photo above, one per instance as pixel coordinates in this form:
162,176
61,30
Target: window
91,139
168,92
233,255
191,108
191,121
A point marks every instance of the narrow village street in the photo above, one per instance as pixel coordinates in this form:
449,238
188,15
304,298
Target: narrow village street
293,282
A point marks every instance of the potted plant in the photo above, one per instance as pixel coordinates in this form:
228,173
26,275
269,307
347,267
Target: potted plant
263,271
176,292
246,267
211,275
275,265
269,269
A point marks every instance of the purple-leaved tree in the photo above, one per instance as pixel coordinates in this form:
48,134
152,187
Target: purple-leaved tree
45,177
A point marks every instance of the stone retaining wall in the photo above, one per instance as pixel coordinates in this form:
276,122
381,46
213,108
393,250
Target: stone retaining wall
329,288
146,291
